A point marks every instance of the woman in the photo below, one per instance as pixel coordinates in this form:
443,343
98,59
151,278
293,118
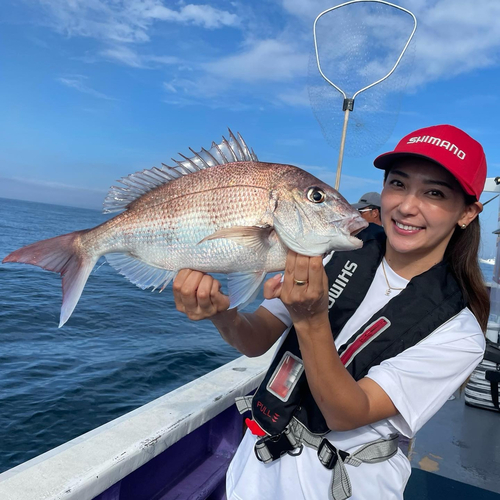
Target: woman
379,338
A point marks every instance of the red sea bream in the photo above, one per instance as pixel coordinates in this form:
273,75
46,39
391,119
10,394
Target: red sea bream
221,211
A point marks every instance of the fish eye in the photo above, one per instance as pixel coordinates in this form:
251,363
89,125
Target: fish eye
316,195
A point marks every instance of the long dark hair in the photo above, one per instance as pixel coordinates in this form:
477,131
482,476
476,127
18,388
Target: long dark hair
462,256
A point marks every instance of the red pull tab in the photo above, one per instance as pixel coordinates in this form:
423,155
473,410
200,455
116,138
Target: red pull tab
254,427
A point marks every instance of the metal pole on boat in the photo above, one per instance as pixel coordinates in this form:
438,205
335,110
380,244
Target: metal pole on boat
348,103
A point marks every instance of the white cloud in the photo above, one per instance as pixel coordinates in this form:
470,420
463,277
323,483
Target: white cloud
126,55
295,97
114,21
265,60
198,15
128,21
77,82
456,37
453,37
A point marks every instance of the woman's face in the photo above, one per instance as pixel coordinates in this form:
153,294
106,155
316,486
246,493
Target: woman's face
422,203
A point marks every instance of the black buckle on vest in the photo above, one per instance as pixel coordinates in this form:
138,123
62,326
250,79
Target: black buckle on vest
276,446
334,454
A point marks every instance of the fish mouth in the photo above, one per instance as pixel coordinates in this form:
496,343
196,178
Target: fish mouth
356,225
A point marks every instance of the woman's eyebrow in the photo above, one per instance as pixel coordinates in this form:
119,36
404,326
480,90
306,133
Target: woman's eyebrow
398,172
439,183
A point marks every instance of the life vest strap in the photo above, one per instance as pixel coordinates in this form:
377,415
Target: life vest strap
296,436
335,459
244,403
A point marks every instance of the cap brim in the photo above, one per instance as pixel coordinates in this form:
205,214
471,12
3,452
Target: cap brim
357,206
384,161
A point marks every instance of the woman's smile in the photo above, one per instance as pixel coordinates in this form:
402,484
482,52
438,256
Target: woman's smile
403,228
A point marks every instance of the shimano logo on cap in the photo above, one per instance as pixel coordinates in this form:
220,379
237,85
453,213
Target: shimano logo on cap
435,141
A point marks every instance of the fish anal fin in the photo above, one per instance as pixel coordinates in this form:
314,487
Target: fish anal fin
244,287
139,272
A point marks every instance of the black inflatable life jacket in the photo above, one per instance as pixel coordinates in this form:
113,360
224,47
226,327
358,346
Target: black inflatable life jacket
429,300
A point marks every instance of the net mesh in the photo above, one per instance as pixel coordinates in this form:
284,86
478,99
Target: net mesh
357,45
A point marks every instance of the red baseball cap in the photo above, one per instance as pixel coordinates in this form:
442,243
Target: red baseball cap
447,146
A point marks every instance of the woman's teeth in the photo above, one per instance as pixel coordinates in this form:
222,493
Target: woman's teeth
406,228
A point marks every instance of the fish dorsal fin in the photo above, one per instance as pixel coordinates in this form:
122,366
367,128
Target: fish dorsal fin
137,184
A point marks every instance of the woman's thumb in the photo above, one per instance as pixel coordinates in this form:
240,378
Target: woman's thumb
272,287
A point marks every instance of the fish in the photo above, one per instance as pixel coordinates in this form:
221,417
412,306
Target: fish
218,211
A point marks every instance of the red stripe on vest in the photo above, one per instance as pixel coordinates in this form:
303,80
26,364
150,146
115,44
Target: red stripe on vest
372,330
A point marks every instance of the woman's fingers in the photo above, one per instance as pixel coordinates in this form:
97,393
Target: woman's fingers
305,286
198,294
219,300
204,292
301,270
189,290
316,273
177,287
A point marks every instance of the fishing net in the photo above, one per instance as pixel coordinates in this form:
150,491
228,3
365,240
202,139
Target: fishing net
358,44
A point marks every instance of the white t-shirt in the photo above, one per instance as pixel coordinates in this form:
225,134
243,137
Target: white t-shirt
418,381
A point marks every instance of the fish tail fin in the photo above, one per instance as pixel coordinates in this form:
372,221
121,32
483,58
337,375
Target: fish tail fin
64,255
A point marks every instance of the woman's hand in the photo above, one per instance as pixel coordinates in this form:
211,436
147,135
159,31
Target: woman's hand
198,295
304,289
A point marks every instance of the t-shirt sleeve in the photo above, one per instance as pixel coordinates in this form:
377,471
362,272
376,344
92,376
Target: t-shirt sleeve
422,378
278,309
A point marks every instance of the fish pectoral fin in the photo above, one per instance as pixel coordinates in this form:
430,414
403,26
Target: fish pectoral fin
244,287
255,237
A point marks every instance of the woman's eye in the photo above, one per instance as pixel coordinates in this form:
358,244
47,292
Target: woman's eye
316,195
396,183
437,194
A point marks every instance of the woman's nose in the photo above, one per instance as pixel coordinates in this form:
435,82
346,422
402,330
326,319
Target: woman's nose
409,204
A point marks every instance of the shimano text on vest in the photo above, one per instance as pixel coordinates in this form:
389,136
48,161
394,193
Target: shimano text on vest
340,282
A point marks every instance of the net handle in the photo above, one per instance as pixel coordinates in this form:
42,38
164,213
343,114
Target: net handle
395,65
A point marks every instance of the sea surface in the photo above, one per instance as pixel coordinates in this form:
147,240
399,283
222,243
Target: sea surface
121,348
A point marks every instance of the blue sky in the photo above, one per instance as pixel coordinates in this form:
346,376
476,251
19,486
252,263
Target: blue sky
92,90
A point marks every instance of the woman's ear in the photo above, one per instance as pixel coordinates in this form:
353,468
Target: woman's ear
470,213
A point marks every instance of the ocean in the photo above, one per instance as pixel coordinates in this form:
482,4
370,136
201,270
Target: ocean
121,348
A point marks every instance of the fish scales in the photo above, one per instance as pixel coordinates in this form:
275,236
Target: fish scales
220,197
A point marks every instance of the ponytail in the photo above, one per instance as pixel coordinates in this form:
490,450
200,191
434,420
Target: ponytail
462,255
